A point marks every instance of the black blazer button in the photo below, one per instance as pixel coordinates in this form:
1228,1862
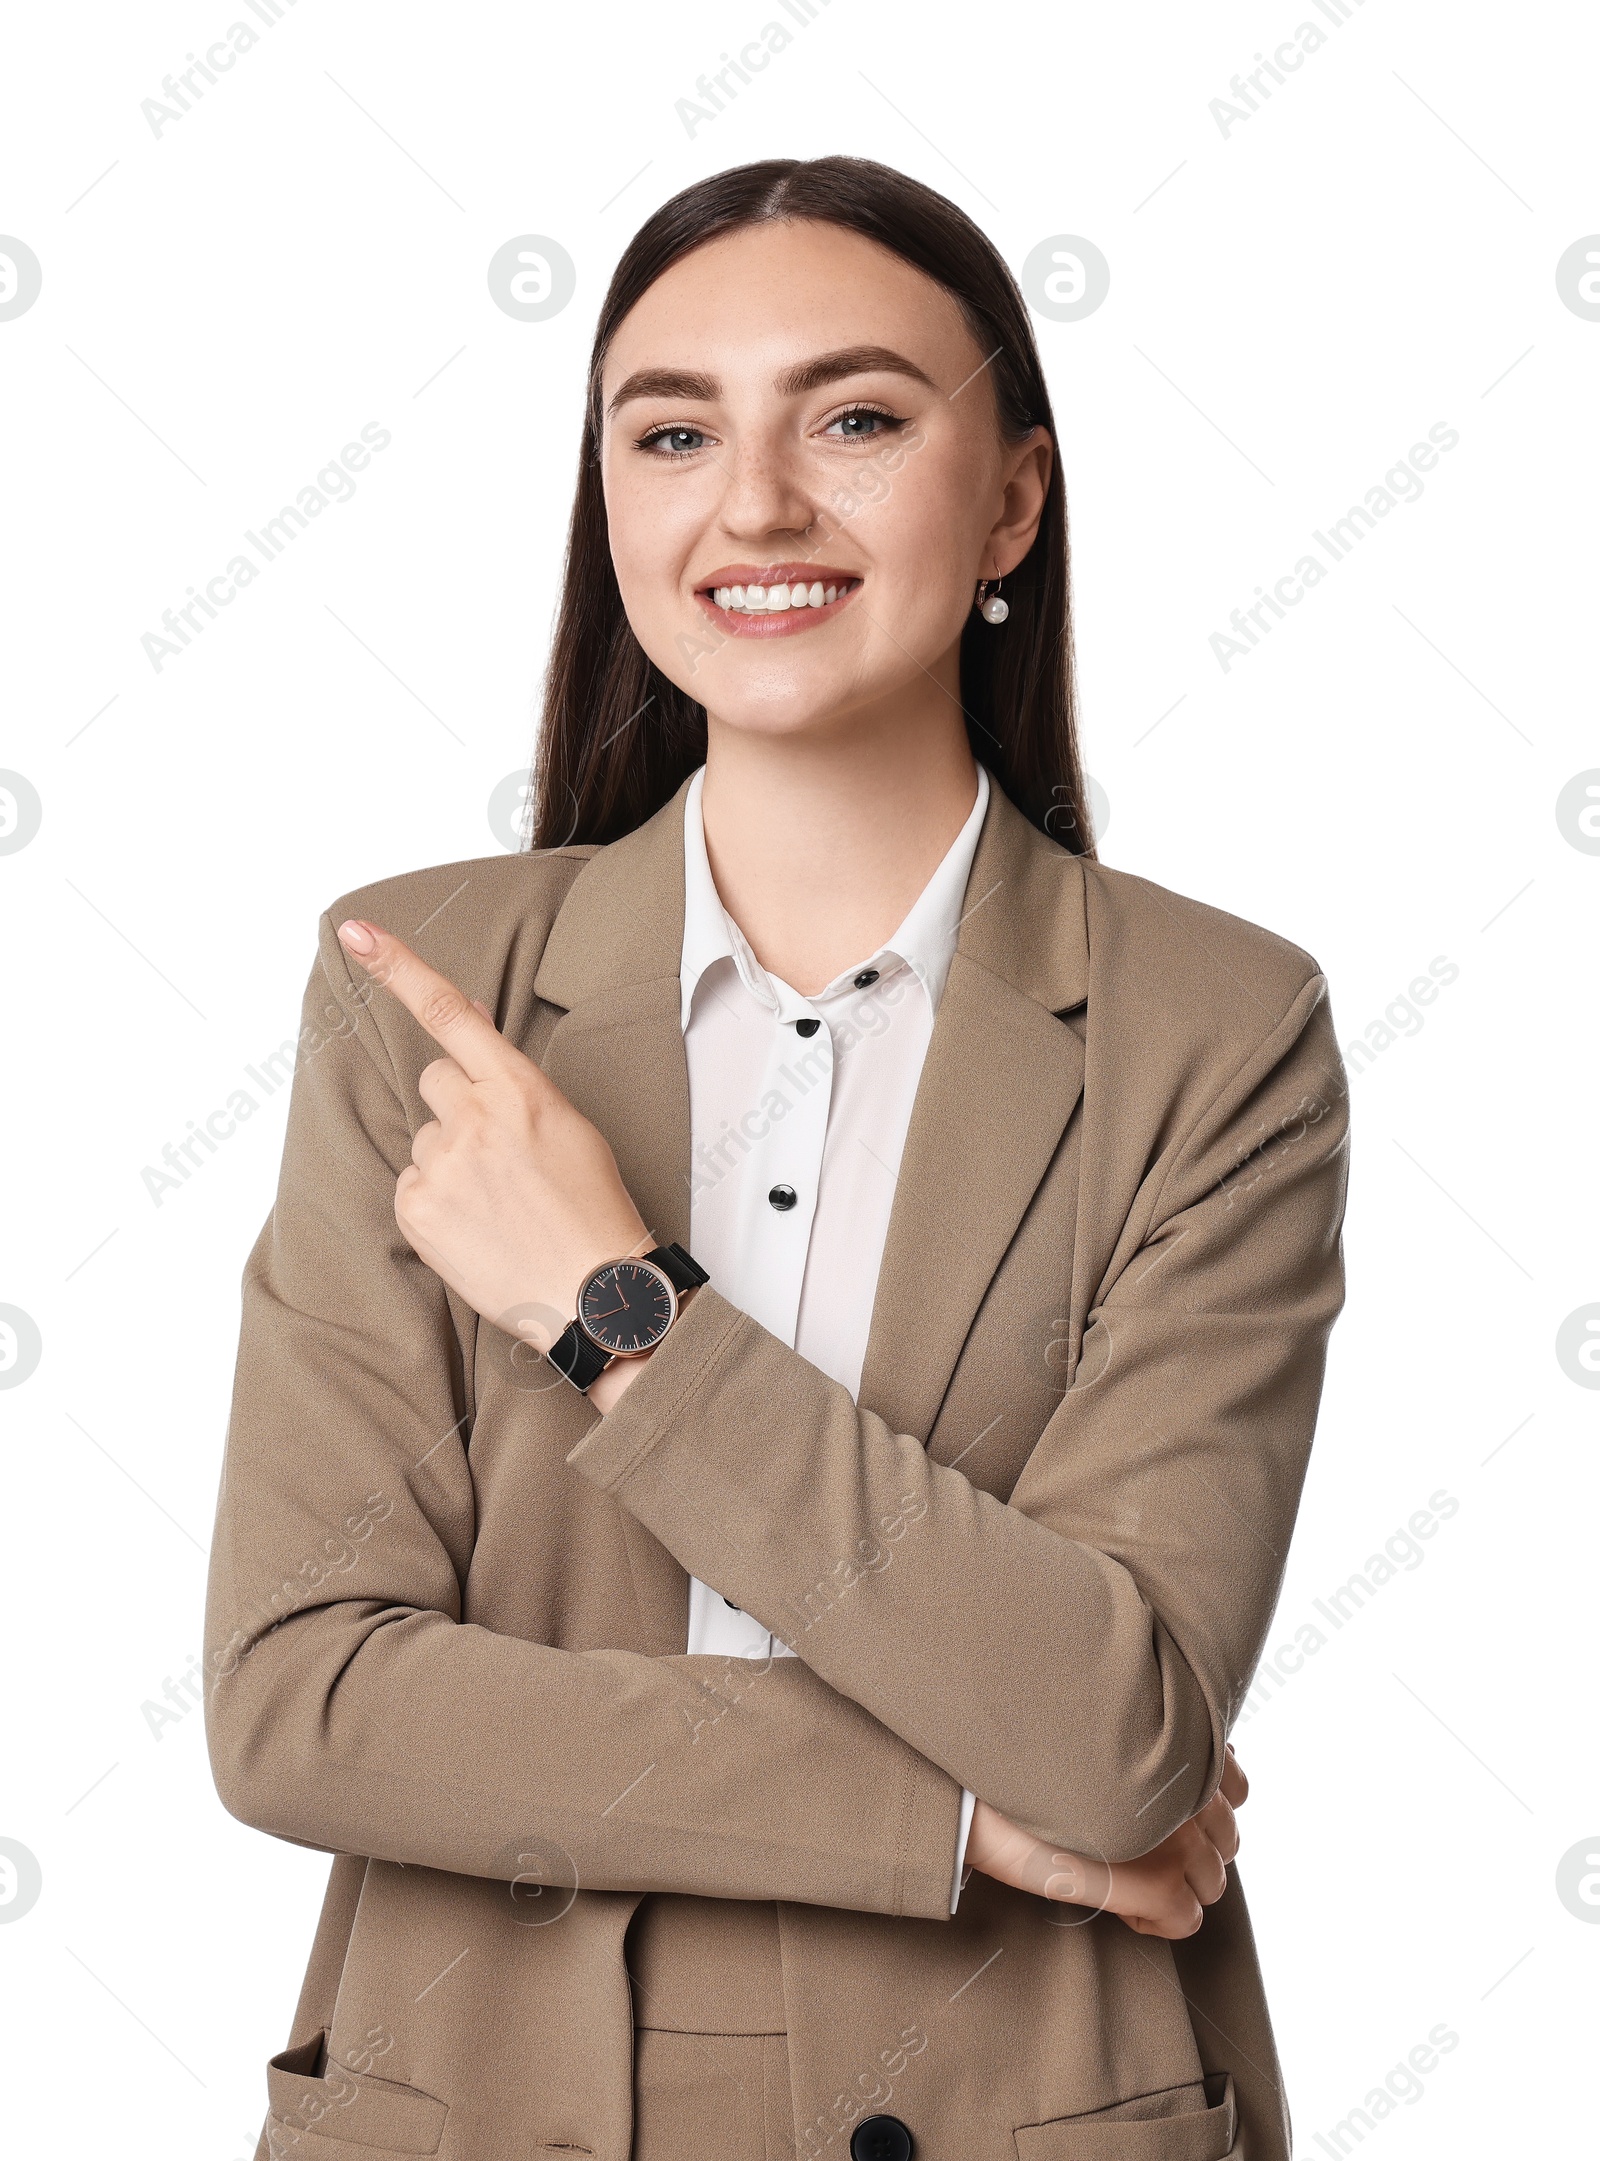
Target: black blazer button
881,2138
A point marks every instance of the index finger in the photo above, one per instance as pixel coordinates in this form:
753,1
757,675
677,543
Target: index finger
444,1010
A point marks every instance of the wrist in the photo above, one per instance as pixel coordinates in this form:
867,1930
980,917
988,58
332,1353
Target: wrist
616,1380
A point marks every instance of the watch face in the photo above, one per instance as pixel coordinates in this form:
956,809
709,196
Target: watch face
627,1307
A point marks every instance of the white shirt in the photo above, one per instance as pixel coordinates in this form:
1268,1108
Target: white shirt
821,1117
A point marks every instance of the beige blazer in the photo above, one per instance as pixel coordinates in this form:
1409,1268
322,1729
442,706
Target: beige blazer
448,1601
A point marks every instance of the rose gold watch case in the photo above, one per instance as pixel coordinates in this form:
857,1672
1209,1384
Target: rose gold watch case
634,1260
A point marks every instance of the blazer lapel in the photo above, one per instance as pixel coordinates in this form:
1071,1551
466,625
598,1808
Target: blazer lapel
612,961
616,1051
1001,1079
619,1056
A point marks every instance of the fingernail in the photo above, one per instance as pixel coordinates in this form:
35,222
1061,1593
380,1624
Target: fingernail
357,936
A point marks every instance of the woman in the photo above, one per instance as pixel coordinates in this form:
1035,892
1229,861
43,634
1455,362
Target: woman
773,1398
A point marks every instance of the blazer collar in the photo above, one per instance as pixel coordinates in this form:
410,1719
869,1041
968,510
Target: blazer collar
622,920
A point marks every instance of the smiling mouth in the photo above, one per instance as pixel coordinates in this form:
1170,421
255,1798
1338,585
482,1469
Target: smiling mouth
746,600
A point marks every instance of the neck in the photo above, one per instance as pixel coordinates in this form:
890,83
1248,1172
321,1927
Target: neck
821,840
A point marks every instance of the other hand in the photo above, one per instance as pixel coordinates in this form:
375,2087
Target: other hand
1163,1893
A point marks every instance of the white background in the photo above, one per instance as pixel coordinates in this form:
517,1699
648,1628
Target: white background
1292,305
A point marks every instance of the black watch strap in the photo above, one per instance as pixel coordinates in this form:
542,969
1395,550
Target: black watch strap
577,1357
575,1354
679,1267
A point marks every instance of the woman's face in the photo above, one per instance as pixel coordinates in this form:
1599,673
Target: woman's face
794,408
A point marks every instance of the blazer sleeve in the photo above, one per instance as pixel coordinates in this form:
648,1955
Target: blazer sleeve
1076,1654
349,1707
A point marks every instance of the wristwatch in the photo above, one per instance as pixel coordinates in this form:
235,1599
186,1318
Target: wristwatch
624,1309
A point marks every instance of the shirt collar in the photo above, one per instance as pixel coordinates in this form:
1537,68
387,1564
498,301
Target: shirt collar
925,938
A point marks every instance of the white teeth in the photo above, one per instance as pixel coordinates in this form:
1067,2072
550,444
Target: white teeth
777,599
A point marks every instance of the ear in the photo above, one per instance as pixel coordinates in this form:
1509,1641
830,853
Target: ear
1025,478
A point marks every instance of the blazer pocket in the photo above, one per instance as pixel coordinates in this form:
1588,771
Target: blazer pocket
339,2116
1184,2123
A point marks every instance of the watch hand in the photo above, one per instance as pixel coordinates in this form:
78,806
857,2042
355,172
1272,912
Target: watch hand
610,1312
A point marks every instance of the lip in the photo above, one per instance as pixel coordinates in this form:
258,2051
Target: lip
791,621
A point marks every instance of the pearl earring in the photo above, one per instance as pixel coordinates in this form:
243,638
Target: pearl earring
993,609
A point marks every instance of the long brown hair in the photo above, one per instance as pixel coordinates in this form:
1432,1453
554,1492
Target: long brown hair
617,737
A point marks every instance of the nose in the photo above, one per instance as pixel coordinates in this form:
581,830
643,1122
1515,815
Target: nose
765,491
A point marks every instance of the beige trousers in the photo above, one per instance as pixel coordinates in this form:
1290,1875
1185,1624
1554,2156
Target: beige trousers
710,2057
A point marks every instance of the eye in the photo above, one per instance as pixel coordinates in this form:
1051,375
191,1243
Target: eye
863,424
669,442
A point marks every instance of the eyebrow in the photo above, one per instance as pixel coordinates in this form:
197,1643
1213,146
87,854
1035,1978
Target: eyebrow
792,382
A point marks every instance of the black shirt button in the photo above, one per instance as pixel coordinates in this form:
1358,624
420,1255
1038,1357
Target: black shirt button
783,1198
870,975
881,2138
806,1027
